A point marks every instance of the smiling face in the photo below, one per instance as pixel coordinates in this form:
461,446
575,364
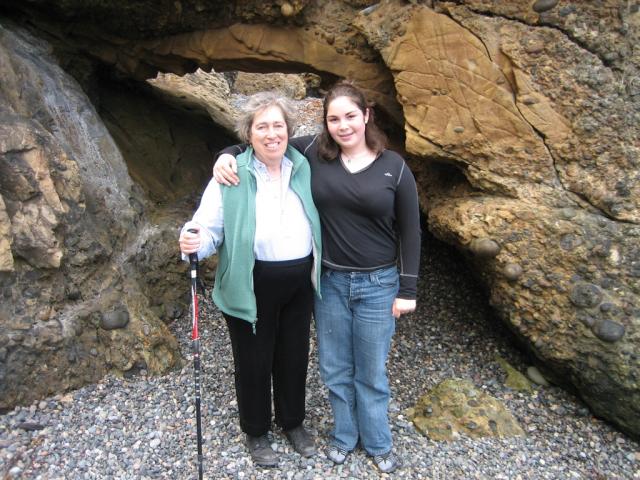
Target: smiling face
346,123
269,136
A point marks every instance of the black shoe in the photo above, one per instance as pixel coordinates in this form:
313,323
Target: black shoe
261,452
302,441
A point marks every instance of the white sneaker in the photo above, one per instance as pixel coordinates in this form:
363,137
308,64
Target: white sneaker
336,454
386,462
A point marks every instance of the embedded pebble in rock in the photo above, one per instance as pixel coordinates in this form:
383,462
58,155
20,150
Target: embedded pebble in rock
287,10
143,427
543,5
585,295
512,271
608,330
484,247
568,213
115,319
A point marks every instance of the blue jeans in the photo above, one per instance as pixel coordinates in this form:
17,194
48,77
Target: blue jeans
355,325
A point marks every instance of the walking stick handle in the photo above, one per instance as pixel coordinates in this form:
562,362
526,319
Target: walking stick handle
193,257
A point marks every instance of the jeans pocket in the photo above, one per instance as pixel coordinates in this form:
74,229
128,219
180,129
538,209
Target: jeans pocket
387,278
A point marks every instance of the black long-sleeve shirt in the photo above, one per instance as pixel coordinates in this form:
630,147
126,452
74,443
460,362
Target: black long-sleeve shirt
370,218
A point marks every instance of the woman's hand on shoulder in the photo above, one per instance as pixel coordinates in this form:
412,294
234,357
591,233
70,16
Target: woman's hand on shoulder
225,170
402,306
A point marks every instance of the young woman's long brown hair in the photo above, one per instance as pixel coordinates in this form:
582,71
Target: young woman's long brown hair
375,138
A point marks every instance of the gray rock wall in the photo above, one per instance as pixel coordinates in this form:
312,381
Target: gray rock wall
70,311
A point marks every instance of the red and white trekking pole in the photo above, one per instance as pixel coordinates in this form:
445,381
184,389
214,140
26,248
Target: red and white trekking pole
195,339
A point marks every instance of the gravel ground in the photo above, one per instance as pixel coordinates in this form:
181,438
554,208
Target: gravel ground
143,427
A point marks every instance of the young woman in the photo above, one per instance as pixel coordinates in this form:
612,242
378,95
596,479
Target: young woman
267,235
367,200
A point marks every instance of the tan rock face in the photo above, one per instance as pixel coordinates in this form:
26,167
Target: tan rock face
549,208
239,45
579,107
458,103
208,92
36,209
290,85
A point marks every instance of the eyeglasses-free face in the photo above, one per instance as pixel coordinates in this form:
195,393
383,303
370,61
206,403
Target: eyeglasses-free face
346,124
269,136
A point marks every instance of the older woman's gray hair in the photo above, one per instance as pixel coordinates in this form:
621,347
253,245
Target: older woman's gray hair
258,102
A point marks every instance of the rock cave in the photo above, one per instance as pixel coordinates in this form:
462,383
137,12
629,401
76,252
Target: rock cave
519,120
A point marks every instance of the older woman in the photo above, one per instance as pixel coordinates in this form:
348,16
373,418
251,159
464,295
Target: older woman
267,236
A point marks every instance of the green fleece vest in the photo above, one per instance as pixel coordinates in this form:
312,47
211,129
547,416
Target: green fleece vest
233,289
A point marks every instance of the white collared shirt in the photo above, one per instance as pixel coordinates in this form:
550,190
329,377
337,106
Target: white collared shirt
283,231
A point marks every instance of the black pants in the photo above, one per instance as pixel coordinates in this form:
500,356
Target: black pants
278,350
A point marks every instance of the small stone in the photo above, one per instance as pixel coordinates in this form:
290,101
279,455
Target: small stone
512,271
608,330
30,426
515,380
15,472
585,295
583,412
287,9
115,319
484,247
587,320
561,411
606,307
536,377
544,5
458,129
568,10
570,241
534,46
370,10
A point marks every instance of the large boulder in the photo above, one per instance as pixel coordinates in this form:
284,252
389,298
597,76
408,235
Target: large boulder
70,310
544,133
456,408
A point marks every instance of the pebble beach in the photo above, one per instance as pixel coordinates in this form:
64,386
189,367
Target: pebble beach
143,427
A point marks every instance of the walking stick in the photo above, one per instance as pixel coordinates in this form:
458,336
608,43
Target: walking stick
195,339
